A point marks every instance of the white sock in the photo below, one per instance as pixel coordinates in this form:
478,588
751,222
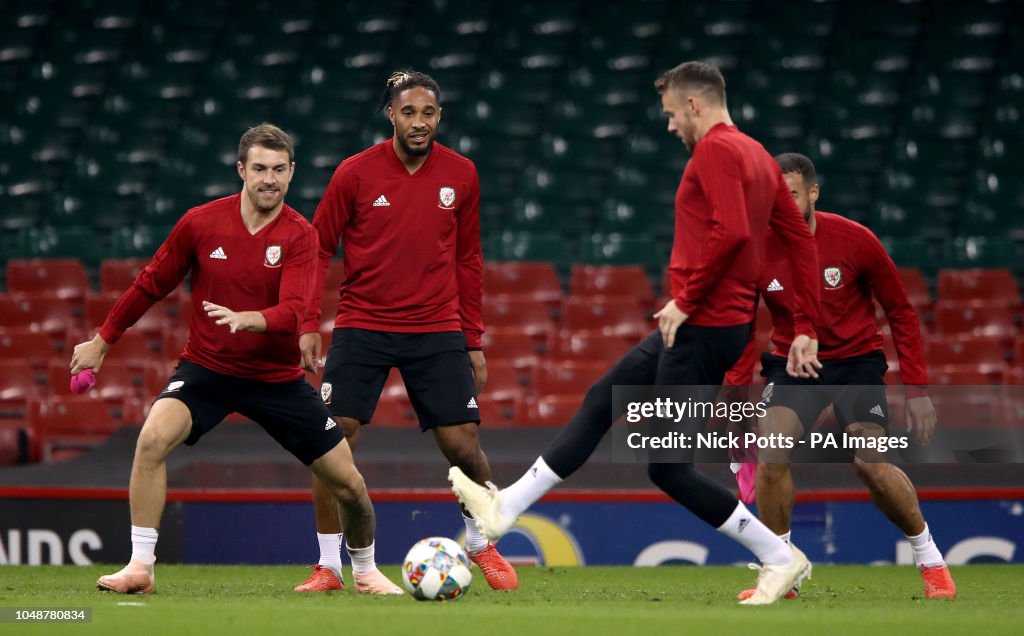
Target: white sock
926,553
744,527
475,541
531,486
144,544
786,536
330,551
362,559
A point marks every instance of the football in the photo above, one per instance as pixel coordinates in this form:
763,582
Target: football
436,569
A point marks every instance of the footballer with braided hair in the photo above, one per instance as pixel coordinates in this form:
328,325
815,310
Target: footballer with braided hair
421,312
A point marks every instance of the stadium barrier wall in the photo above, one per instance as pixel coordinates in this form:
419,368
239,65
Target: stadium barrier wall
65,526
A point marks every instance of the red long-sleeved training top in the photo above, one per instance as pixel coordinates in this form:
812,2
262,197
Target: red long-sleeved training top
413,261
271,271
731,192
853,269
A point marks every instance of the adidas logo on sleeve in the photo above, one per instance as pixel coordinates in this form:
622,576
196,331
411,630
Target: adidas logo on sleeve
381,202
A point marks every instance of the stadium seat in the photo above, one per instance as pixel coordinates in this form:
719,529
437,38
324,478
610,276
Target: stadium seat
16,388
994,285
621,249
394,388
135,348
612,280
118,274
65,278
917,288
590,346
24,343
70,422
960,374
495,413
537,281
568,377
504,382
513,346
527,246
549,410
43,312
987,354
612,315
393,414
522,313
976,318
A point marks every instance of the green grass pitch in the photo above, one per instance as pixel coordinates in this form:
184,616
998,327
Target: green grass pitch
252,600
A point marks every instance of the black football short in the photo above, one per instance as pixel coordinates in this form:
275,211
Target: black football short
435,368
855,387
291,412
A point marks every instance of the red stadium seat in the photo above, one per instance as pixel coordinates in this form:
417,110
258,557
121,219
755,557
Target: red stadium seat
521,312
64,278
612,280
118,274
1018,350
536,281
570,377
74,421
16,388
495,413
173,342
1014,376
98,306
155,377
134,348
33,346
549,410
510,345
12,449
586,345
504,382
917,289
976,318
994,285
395,414
44,312
612,315
394,388
959,374
986,353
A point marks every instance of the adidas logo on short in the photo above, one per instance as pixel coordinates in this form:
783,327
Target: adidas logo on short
471,404
877,410
330,424
219,254
775,285
381,202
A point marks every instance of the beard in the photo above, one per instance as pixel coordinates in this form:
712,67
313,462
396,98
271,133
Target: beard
259,202
416,152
